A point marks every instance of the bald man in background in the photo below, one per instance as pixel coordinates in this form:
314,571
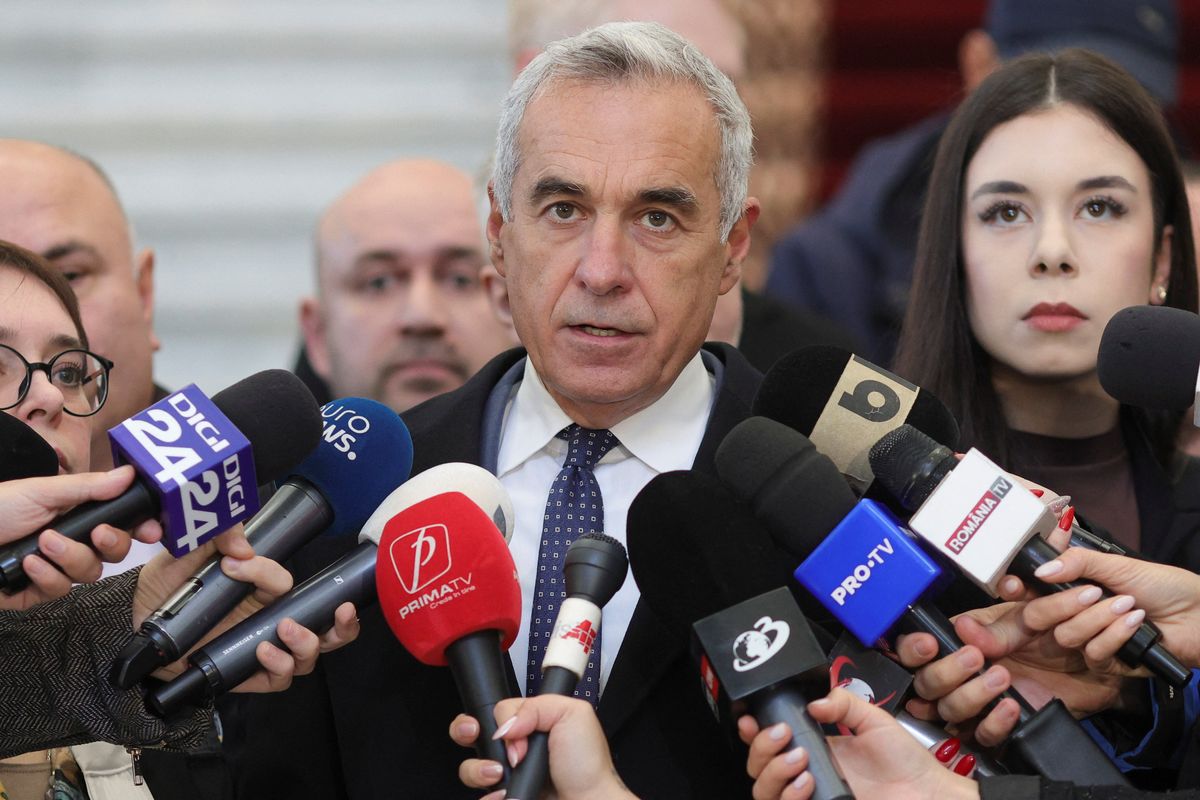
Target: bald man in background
63,207
400,314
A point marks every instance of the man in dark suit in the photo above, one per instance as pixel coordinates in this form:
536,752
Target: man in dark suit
618,215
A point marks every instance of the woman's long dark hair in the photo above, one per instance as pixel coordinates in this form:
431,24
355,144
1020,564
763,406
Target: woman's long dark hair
937,349
32,264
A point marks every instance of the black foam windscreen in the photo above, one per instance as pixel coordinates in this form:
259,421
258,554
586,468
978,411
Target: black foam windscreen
795,390
1149,357
695,550
280,417
23,452
910,465
795,490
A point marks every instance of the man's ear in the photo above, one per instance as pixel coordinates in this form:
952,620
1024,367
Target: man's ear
737,244
312,327
497,294
143,280
495,224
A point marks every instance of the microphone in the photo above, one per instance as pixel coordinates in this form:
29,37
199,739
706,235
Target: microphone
978,517
593,570
1150,357
364,452
844,404
194,464
23,452
859,562
448,589
229,659
703,564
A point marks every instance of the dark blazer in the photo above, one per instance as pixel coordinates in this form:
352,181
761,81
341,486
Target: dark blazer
371,722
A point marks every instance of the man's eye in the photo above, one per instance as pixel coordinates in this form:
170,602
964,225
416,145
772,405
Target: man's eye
658,220
378,283
563,211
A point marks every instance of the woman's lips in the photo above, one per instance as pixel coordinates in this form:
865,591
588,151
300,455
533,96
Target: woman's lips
1054,317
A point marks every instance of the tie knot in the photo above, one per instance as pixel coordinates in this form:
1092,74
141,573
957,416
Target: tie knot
585,447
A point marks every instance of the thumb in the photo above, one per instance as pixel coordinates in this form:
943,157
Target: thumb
850,710
997,638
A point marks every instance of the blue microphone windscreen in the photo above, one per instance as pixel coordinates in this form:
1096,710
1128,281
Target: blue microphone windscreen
365,452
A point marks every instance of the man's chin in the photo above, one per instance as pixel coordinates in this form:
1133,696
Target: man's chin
403,395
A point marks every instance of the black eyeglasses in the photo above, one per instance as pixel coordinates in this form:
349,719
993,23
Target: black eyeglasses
81,376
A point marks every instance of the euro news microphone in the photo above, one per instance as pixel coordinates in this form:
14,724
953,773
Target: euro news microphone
23,452
365,452
229,659
705,566
844,404
860,563
448,589
983,521
198,461
594,569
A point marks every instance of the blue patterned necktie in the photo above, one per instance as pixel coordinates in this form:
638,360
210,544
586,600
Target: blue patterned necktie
573,508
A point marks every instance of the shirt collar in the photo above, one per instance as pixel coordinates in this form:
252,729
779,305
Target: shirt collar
657,435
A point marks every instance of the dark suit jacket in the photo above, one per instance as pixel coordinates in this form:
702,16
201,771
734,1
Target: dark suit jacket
371,722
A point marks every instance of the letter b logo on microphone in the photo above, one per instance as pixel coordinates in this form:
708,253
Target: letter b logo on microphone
421,556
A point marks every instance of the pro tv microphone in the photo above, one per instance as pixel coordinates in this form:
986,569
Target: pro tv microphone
988,525
23,452
704,565
858,560
448,589
229,659
593,570
1150,357
844,404
365,452
199,463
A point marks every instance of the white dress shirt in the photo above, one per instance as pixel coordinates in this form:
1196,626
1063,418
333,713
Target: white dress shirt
663,437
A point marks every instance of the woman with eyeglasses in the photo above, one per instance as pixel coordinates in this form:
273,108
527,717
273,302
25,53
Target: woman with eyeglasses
55,656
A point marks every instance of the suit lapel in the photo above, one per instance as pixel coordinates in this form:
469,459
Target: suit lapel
650,646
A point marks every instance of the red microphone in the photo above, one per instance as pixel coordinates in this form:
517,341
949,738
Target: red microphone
448,589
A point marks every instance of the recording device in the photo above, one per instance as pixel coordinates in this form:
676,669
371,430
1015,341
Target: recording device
23,452
229,659
194,462
364,452
988,525
1150,357
859,562
594,570
448,589
844,404
704,564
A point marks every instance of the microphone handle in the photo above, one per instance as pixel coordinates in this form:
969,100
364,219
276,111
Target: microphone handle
132,507
477,663
783,702
1143,649
530,775
229,659
293,516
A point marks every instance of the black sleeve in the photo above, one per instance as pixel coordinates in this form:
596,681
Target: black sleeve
54,664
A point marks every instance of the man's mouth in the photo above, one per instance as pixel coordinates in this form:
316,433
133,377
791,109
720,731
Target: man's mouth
594,331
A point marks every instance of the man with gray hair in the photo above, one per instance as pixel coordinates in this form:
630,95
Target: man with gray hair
619,213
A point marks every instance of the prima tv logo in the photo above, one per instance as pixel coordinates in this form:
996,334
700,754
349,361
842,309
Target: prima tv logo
421,556
966,530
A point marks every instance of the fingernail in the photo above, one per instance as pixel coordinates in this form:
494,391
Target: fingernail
1010,585
821,702
505,728
965,765
468,730
777,731
1049,568
1038,492
801,780
231,566
947,750
287,628
1122,604
795,756
1089,595
1068,518
54,544
925,647
106,539
1135,619
511,750
35,566
994,678
967,658
492,771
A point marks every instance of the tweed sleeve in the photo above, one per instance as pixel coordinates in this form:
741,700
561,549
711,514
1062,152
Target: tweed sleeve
54,664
